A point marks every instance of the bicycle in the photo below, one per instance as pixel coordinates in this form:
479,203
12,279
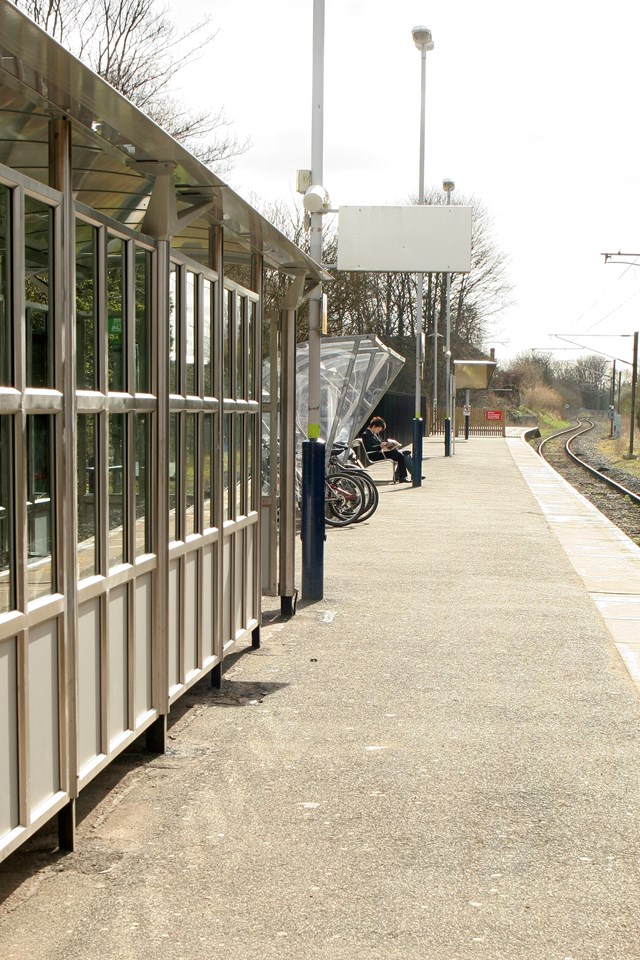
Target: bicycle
344,499
342,460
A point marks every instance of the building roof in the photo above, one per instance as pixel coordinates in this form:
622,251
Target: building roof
117,150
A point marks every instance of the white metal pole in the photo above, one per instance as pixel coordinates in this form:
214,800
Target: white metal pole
449,414
313,450
417,423
315,239
447,364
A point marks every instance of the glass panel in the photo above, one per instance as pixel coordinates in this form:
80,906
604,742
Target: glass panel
226,466
116,300
117,488
143,477
86,303
7,559
173,476
6,366
251,351
143,315
251,466
38,292
355,373
239,484
190,320
208,479
207,321
266,454
239,342
173,329
190,474
40,517
226,345
87,556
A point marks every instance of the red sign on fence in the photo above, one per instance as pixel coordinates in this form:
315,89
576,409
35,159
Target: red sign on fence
493,414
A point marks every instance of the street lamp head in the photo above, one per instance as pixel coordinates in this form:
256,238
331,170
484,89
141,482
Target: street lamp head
422,38
448,186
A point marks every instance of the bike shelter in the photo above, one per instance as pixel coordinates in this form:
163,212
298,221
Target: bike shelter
355,372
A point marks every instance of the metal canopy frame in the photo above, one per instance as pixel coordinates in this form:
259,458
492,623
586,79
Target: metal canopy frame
124,164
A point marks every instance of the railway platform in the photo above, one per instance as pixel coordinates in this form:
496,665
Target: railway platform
438,761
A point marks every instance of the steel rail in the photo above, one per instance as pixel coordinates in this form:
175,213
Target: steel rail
576,432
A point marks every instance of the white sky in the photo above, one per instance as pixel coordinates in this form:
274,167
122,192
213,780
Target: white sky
537,116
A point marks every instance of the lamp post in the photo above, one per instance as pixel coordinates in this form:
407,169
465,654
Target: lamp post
424,42
448,186
313,448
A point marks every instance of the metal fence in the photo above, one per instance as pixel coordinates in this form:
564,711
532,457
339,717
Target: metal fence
398,411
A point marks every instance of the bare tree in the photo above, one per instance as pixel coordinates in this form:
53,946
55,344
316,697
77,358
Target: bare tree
135,46
584,382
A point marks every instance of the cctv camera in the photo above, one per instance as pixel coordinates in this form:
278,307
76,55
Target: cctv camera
315,199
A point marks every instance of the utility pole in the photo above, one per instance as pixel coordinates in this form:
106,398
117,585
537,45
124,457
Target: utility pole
609,258
634,384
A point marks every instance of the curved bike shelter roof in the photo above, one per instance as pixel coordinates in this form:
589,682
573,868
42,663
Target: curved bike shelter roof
355,372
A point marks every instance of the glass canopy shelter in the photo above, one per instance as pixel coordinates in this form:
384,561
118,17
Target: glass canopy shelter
355,372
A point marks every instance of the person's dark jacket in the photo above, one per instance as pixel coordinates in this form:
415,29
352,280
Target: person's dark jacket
372,444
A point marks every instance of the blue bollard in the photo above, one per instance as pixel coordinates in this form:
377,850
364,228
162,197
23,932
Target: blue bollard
417,452
447,437
312,527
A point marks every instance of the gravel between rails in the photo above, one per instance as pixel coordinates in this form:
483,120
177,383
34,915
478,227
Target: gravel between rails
619,509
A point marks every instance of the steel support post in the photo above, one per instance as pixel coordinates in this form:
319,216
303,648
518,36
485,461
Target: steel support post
634,384
447,371
61,178
313,455
287,467
417,421
467,416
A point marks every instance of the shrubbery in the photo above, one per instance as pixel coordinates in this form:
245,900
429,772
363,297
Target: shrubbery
540,397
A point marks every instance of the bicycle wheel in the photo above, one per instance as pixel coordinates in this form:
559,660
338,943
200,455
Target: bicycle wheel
344,499
371,494
373,498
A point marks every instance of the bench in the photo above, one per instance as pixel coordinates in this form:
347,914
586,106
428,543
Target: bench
359,449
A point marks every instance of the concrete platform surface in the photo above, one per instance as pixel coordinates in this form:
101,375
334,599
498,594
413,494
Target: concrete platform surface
438,761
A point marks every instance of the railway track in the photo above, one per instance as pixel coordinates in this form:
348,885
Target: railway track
611,490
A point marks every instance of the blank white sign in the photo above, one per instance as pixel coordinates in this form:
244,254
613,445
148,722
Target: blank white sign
416,239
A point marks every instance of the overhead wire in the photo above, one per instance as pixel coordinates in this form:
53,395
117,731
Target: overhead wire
619,306
602,319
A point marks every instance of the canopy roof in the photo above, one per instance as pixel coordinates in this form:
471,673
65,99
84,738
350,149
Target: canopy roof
118,152
473,374
355,372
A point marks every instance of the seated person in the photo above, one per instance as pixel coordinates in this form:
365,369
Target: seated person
378,449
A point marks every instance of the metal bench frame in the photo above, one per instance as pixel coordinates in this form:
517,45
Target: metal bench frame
361,453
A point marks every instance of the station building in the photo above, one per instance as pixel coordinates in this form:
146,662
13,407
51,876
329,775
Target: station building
130,425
